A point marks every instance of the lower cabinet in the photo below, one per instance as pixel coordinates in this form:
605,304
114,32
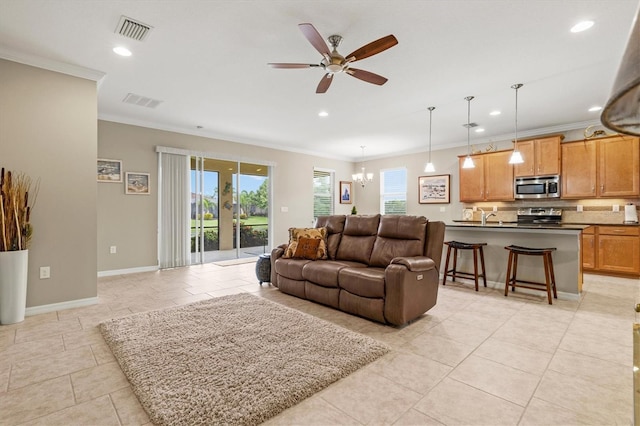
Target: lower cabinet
611,249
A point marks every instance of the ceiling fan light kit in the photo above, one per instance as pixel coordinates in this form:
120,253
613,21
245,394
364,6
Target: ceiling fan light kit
334,63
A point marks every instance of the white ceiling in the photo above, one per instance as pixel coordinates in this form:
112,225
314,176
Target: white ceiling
207,62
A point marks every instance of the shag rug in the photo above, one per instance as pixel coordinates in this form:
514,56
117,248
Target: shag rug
237,359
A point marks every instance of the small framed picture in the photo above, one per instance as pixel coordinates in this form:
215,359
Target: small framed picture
433,189
137,183
109,170
345,192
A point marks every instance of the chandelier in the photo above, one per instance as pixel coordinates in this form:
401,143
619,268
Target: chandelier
362,178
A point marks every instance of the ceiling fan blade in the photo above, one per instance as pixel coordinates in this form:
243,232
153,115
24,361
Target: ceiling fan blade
373,48
315,39
367,76
324,84
285,65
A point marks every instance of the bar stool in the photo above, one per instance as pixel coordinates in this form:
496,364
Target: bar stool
457,245
512,267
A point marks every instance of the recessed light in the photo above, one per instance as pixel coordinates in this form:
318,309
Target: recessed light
479,130
496,112
122,51
595,108
323,114
581,26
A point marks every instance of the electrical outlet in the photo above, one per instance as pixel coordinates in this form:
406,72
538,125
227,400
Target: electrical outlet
579,208
495,208
616,208
443,209
475,209
45,272
113,249
284,209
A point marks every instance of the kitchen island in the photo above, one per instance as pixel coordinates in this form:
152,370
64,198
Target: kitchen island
567,259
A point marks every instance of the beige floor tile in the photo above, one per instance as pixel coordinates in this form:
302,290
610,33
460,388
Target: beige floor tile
592,346
97,381
445,351
460,332
93,319
102,353
129,409
543,413
191,299
603,373
312,411
478,320
414,417
518,357
415,372
36,370
370,398
4,377
532,336
7,338
47,329
497,379
581,395
36,400
83,337
31,349
97,412
455,403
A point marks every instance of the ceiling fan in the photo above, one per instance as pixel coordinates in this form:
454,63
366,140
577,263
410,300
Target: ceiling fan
334,63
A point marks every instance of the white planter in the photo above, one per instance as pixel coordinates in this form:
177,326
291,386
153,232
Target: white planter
13,285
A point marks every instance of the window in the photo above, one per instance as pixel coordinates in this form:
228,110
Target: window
393,191
322,192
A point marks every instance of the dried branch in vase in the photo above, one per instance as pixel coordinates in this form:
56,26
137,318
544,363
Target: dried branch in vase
16,204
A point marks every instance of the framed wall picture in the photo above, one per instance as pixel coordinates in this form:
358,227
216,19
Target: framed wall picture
434,189
345,192
137,183
109,170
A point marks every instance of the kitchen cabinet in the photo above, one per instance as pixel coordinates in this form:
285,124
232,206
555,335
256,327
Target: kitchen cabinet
611,249
541,157
606,167
490,180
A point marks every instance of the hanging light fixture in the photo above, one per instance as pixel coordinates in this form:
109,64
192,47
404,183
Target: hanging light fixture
429,167
362,178
468,162
516,157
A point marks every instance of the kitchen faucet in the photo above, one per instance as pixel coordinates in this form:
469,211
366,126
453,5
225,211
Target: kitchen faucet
484,217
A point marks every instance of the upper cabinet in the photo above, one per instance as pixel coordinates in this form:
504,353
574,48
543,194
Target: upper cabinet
541,157
490,180
606,167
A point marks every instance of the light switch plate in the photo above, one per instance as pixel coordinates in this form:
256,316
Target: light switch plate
616,208
579,208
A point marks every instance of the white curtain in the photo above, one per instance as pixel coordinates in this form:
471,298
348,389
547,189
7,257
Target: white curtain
174,212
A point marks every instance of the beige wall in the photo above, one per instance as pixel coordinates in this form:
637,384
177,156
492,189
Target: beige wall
130,221
48,130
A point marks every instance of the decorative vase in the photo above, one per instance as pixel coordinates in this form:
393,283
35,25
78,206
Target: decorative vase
13,285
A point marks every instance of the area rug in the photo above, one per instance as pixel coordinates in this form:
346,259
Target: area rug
237,359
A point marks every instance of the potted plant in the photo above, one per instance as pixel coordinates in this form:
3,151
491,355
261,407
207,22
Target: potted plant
17,195
354,210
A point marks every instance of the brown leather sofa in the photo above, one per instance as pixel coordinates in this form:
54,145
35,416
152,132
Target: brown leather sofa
384,268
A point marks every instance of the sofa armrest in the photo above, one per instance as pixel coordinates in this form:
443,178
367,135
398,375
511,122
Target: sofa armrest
276,254
409,294
415,264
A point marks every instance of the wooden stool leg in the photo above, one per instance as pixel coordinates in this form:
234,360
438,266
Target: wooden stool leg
515,272
455,263
508,279
484,275
553,277
446,265
475,267
547,277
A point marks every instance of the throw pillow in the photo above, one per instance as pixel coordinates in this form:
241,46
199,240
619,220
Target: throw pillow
314,233
307,248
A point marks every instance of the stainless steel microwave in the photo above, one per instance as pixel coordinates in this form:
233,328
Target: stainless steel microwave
537,187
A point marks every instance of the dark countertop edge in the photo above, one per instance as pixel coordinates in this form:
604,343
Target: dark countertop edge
492,223
513,225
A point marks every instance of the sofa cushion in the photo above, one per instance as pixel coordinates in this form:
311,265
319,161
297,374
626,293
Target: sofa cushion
317,233
358,238
290,268
365,282
335,226
398,236
325,273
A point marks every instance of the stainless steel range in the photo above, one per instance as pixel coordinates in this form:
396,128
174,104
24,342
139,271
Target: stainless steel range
540,215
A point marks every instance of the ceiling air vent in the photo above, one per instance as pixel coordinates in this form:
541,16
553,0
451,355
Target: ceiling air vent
131,28
470,125
141,101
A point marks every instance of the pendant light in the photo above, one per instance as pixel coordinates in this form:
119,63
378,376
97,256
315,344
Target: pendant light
468,162
516,157
429,167
362,178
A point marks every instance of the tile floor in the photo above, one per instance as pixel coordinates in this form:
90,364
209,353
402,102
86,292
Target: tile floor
475,358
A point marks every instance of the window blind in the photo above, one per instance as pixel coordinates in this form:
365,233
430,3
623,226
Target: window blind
322,192
393,191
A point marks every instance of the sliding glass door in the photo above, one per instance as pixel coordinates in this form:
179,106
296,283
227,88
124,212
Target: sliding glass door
229,209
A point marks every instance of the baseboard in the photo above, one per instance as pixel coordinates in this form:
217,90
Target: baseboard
128,271
43,309
563,295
